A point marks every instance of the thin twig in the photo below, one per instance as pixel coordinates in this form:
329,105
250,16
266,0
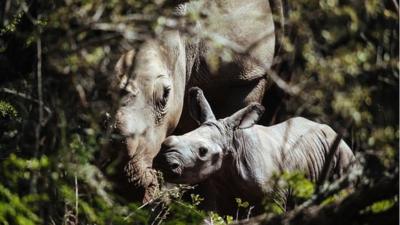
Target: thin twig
39,81
38,127
249,212
163,216
141,207
327,165
396,4
157,217
76,201
24,96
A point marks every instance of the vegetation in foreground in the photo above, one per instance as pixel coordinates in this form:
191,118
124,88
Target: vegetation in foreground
339,61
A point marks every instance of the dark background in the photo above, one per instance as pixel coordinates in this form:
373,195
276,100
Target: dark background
56,59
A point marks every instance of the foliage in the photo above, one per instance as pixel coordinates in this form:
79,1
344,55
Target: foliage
340,56
383,205
343,47
7,110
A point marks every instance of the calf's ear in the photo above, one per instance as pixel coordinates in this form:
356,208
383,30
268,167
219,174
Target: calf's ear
246,117
199,108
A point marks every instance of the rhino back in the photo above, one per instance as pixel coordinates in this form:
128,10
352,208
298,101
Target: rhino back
295,145
240,25
302,145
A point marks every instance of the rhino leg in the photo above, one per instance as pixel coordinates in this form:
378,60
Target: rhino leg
141,175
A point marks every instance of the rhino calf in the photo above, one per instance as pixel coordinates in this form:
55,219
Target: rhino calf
234,158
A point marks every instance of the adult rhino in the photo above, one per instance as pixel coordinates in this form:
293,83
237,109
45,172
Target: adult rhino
155,77
234,158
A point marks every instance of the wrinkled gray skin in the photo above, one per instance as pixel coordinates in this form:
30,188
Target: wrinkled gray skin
234,158
154,78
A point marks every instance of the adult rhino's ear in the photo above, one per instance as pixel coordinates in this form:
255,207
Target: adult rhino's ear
199,108
246,117
124,64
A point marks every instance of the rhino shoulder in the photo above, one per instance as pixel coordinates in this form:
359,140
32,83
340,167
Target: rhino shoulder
300,120
306,124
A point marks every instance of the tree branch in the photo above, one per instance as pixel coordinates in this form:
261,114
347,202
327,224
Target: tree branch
340,212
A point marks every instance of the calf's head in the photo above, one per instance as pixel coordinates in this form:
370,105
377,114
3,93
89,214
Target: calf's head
195,156
151,81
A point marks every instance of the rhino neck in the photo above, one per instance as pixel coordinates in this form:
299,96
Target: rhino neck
174,50
191,43
242,171
249,157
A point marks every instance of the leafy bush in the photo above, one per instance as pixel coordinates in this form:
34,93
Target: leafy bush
339,60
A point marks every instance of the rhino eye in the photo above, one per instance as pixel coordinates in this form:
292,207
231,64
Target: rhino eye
164,98
202,152
162,91
167,90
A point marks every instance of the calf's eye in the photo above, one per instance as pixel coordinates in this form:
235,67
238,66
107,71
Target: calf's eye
202,152
123,92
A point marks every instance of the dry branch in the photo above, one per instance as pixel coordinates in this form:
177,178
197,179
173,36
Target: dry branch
344,211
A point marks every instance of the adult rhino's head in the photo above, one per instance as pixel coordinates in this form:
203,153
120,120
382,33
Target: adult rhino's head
151,81
195,156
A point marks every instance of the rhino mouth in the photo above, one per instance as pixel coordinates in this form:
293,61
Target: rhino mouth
117,137
170,176
170,166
